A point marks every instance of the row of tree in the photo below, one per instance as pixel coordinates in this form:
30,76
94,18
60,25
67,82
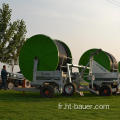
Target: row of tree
12,35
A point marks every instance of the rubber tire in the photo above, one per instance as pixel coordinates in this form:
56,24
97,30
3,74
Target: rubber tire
108,91
72,92
16,83
49,89
9,85
27,84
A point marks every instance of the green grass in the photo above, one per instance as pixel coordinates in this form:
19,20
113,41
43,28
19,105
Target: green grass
30,106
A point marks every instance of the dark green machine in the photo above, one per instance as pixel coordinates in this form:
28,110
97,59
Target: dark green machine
103,58
52,55
119,66
48,64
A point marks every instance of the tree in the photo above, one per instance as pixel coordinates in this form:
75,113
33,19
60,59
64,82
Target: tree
12,35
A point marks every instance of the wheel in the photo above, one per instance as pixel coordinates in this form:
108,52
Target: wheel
16,83
10,85
69,89
105,91
27,84
47,91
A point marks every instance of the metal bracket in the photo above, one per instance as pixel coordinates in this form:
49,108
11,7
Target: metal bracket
35,68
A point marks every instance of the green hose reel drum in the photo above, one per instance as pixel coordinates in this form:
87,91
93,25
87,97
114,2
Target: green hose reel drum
51,54
103,58
119,66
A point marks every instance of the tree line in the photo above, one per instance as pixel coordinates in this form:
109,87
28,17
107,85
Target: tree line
12,35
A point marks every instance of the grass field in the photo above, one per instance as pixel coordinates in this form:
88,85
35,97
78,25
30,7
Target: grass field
30,106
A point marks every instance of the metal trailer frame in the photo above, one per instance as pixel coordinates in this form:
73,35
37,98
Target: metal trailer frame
57,78
98,75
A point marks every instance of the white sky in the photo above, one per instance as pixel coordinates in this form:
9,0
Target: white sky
82,24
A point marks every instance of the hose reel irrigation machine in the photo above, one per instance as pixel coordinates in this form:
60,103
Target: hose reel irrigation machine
48,65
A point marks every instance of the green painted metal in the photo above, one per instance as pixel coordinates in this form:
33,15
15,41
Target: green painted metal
47,52
102,58
119,66
44,49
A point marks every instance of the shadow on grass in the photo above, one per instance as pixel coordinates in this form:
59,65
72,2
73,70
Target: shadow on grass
10,95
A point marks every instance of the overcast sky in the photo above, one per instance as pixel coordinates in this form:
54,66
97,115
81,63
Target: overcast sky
82,24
